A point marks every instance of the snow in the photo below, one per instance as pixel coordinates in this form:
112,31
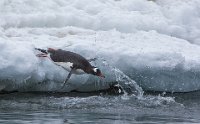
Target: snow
156,43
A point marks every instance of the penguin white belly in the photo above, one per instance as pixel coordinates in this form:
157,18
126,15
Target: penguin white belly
68,66
79,71
65,65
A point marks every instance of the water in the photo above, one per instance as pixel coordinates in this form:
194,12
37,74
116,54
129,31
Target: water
98,108
134,106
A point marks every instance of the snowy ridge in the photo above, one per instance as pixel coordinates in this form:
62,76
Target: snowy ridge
154,43
178,18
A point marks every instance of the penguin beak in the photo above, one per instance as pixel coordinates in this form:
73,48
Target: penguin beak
101,75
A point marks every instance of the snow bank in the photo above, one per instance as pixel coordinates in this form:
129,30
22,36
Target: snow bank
180,18
154,43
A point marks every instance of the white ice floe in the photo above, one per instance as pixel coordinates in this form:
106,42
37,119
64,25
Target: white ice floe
156,43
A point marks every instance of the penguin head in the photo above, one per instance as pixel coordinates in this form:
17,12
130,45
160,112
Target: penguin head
97,72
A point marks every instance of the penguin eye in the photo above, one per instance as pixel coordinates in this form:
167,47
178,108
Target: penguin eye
98,71
95,70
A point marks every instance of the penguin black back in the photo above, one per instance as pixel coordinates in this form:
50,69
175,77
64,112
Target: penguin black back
67,56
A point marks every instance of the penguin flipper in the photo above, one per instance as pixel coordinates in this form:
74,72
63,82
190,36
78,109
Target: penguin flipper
68,77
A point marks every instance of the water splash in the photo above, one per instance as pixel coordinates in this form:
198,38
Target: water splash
133,91
128,85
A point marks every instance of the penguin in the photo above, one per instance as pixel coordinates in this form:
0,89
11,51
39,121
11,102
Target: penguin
70,61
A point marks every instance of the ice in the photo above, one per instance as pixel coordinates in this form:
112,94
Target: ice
155,43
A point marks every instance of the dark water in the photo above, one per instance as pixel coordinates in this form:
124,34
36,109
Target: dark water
45,108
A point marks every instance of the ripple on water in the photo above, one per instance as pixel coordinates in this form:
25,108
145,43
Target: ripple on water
99,108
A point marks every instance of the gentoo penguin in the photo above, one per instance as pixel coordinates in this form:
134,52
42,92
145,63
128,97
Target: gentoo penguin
70,61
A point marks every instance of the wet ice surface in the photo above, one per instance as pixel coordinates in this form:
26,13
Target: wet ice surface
99,108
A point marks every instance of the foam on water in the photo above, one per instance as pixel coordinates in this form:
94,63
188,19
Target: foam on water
21,101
